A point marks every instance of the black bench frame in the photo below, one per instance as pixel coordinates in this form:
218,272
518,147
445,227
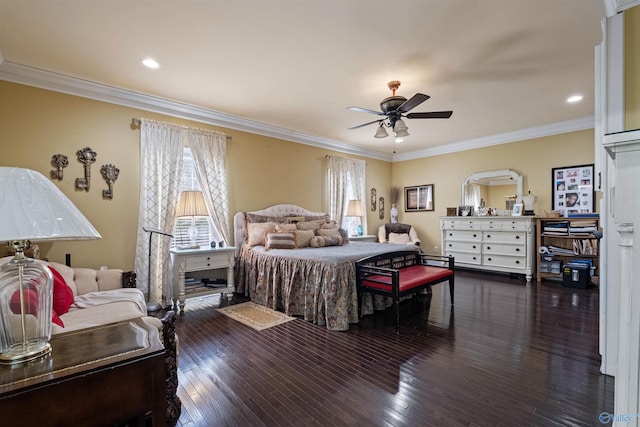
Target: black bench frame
389,266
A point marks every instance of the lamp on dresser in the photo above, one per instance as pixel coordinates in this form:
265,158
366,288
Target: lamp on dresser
32,208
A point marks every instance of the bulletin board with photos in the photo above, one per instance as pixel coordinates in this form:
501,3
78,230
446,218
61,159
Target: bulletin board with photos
573,191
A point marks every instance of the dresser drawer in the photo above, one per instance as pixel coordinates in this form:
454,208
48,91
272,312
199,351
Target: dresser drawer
516,225
491,224
456,245
206,262
463,235
465,258
503,249
512,262
504,237
460,224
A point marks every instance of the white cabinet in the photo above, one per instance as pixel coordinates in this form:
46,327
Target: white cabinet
502,244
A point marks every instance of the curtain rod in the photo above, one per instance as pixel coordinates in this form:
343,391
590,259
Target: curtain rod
135,123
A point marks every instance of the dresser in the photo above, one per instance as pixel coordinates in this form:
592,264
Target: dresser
492,243
184,261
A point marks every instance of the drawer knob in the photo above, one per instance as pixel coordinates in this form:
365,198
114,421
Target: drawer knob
517,262
517,237
475,235
517,249
489,259
488,248
450,245
474,258
474,246
488,236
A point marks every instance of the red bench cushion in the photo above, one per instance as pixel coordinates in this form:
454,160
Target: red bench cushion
410,277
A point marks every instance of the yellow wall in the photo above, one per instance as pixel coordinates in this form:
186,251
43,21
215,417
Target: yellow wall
533,159
632,68
36,124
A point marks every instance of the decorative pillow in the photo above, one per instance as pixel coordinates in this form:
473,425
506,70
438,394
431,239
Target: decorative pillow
345,236
399,238
251,218
329,232
303,238
332,240
256,232
62,294
308,225
316,242
285,228
31,305
321,218
329,224
294,219
280,241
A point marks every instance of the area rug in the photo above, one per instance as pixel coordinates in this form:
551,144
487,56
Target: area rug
254,315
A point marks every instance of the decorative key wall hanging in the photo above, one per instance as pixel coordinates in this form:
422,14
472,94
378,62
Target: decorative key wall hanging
59,161
110,174
87,157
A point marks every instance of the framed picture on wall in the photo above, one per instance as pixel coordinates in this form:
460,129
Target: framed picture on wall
572,189
418,198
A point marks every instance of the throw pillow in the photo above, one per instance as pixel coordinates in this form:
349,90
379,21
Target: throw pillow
303,238
329,232
332,240
257,230
308,225
345,236
285,228
399,238
62,294
316,242
329,224
280,241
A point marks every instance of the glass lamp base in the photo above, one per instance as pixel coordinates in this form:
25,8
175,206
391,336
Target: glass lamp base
23,352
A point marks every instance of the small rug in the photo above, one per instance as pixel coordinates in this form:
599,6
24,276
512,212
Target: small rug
255,315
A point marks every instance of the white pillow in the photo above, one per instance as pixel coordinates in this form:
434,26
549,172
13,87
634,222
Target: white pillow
256,231
399,238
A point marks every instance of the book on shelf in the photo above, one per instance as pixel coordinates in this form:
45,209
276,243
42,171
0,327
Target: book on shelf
583,215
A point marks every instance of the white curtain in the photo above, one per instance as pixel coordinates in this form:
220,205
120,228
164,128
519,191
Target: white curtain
161,147
209,152
346,178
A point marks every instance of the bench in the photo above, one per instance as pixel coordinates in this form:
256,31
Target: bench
400,273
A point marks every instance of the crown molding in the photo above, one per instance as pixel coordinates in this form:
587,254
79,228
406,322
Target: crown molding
502,138
30,76
43,79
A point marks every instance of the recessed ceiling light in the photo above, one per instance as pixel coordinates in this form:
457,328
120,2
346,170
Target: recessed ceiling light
150,63
574,98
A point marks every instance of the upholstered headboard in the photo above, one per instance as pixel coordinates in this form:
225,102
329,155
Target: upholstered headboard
282,210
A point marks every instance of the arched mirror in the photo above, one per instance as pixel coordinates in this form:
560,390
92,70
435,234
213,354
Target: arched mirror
498,189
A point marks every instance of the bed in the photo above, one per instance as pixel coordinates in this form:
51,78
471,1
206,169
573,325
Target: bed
315,283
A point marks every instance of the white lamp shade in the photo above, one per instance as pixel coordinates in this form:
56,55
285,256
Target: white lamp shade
381,132
354,208
192,203
33,208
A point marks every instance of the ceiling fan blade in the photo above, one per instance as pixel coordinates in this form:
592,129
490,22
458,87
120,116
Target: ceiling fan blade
365,124
364,110
430,115
413,102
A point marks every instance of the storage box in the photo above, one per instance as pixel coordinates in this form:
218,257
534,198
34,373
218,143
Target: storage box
576,276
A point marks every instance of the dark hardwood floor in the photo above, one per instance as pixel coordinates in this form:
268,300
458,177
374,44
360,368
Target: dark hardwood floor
510,354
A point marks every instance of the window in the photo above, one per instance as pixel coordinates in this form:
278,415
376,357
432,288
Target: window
206,231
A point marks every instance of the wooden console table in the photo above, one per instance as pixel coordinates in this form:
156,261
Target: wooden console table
104,375
185,261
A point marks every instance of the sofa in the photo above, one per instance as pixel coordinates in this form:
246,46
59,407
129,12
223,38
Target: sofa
98,297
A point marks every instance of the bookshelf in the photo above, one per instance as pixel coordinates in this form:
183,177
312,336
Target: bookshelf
563,240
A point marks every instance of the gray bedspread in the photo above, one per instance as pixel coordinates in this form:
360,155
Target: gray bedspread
317,284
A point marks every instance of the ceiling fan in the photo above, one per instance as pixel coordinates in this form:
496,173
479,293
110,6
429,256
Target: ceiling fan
397,107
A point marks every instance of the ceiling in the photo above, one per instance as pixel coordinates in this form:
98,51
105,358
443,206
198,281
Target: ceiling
502,66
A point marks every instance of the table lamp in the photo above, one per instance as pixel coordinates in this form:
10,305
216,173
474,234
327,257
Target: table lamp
192,204
355,209
32,208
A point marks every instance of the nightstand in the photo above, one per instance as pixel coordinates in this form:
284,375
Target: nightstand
366,238
191,260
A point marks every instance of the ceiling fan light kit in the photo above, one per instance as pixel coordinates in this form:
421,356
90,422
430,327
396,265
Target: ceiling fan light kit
395,108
